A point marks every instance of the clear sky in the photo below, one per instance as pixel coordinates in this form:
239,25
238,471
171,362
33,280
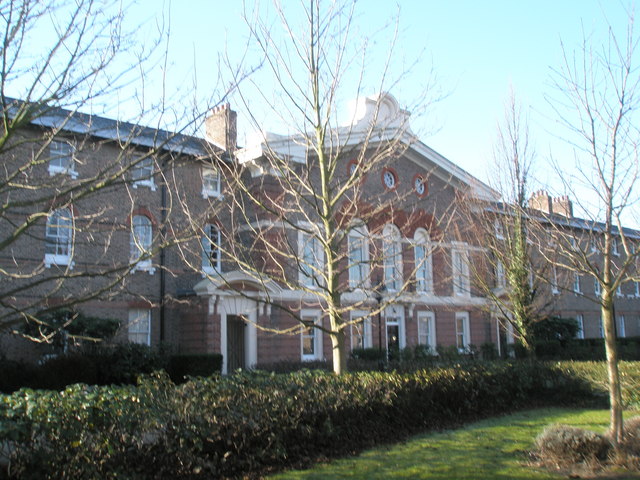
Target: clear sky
477,49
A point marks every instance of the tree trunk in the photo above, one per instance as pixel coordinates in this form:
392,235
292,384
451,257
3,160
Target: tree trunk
338,352
615,392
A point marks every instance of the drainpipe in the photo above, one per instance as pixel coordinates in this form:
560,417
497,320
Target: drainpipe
163,232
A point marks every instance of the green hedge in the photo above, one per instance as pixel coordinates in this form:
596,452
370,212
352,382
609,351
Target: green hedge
119,364
251,423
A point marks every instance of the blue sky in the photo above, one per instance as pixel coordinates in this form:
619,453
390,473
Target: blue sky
479,50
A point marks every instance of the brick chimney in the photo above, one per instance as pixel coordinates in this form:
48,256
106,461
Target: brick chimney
221,127
562,206
541,201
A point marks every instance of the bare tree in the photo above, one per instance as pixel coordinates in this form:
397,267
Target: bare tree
598,102
511,274
303,213
72,184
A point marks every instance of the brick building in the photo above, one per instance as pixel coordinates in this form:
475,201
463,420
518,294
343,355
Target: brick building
152,246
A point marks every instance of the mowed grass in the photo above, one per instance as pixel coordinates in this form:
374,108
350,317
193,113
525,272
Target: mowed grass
495,448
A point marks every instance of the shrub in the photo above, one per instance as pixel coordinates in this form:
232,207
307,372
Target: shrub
251,422
566,445
204,365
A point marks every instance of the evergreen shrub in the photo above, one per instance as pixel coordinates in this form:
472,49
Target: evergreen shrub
253,422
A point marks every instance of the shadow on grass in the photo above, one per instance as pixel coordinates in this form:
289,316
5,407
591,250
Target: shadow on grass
491,449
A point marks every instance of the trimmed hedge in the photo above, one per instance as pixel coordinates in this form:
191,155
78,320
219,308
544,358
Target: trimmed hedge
251,423
119,364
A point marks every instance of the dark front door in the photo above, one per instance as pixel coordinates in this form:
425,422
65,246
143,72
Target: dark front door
235,342
393,341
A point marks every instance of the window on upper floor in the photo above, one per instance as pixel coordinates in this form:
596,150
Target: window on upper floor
460,272
142,172
614,247
139,327
311,260
211,182
423,264
501,277
141,242
59,232
576,283
597,288
358,245
498,229
211,258
62,158
392,257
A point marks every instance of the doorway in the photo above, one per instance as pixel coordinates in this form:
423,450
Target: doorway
236,326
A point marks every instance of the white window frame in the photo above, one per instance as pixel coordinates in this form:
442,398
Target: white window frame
427,330
142,172
59,234
315,317
211,247
614,247
637,288
619,291
141,241
211,182
460,272
463,337
392,258
358,243
362,330
62,158
311,260
580,322
139,326
597,289
621,327
554,280
576,283
501,277
498,229
423,261
601,328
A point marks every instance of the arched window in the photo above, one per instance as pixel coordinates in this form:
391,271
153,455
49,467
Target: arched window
141,241
423,265
58,238
358,244
211,249
392,257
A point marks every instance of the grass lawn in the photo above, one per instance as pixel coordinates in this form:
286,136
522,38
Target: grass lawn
490,449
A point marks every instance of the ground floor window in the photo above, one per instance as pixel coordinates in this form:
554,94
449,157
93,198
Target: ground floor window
311,336
360,330
427,330
140,326
462,331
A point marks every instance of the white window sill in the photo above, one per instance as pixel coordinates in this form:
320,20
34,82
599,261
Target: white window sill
145,183
144,266
53,171
212,194
59,260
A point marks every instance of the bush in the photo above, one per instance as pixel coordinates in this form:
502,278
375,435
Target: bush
253,422
564,445
204,365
